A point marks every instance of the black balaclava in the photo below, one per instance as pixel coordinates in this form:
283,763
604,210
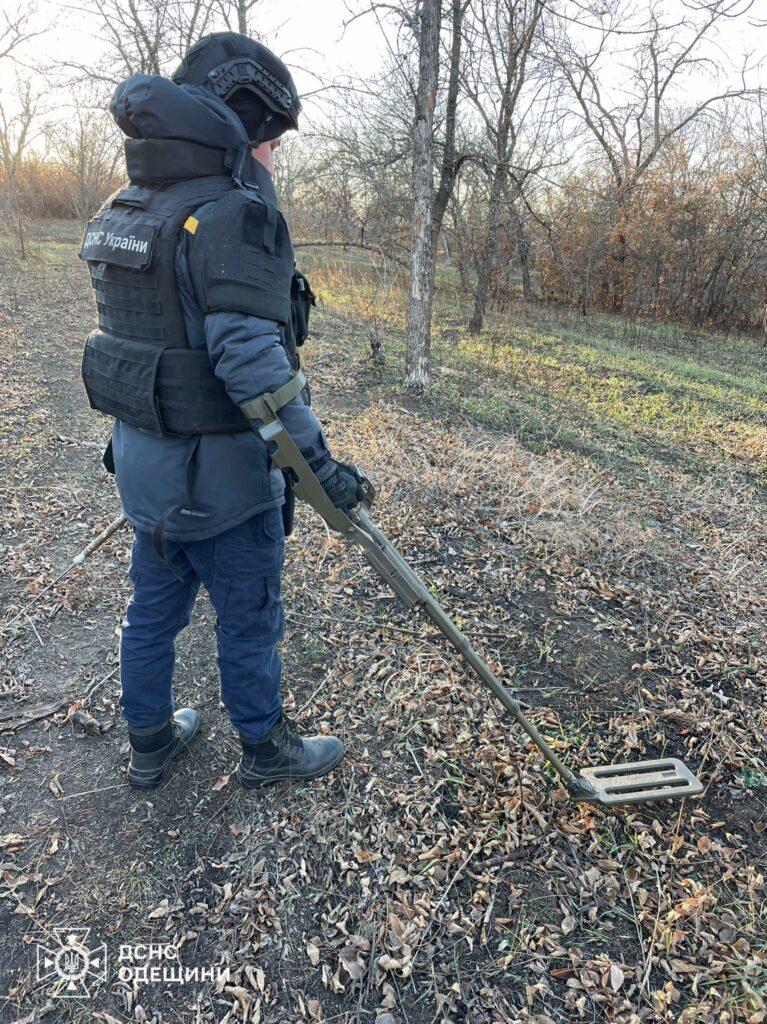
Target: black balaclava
257,119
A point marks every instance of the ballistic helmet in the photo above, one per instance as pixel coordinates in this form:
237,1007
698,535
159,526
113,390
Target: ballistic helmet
249,78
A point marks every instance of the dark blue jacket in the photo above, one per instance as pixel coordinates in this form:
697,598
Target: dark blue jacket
229,476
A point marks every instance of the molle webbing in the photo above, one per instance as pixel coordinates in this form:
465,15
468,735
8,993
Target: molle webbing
137,365
192,399
165,391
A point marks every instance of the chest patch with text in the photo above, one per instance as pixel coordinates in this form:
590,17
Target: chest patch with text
123,245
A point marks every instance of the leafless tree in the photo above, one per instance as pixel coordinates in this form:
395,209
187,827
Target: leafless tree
141,36
754,180
17,131
87,146
631,123
361,161
451,161
17,28
423,80
500,39
236,15
422,241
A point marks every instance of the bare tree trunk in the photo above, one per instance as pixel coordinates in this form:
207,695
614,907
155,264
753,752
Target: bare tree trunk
376,346
487,258
446,247
16,133
422,245
508,31
450,164
523,251
618,297
20,235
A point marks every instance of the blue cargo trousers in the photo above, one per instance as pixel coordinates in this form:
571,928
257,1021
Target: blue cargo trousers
240,569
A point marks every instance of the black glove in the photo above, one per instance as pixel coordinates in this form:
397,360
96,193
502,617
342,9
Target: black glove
343,484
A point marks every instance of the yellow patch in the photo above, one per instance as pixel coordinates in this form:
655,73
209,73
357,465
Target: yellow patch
191,224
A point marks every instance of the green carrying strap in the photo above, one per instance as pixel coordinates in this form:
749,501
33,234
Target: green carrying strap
267,405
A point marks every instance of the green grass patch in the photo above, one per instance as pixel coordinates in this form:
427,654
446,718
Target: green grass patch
635,397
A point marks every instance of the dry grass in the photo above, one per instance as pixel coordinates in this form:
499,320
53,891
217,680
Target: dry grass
441,875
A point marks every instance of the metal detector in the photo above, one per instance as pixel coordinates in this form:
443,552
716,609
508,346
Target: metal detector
631,783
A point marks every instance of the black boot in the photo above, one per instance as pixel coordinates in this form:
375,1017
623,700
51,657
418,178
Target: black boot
153,750
282,754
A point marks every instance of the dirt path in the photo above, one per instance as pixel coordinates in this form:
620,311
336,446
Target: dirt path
440,875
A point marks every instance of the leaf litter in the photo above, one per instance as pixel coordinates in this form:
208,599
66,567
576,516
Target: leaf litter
441,874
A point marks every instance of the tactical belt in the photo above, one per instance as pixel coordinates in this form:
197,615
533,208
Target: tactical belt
267,405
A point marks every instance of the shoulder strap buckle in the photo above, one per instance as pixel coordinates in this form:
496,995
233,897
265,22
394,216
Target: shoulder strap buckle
239,164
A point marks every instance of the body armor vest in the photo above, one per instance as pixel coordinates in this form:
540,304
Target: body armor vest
137,365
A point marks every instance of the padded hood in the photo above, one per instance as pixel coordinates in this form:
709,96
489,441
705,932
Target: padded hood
152,107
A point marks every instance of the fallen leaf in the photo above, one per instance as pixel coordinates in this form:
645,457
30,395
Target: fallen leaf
11,842
161,910
313,952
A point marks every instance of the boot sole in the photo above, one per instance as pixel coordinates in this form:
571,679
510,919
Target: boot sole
256,783
153,781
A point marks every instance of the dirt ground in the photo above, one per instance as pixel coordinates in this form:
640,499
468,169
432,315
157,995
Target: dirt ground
440,874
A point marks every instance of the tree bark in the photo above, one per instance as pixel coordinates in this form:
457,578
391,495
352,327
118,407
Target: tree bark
510,41
523,251
450,164
422,241
487,257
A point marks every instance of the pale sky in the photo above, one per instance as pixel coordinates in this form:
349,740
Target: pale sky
309,33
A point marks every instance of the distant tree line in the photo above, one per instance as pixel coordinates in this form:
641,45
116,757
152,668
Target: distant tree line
603,154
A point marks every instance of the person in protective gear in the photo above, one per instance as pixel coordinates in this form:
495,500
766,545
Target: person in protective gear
200,312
